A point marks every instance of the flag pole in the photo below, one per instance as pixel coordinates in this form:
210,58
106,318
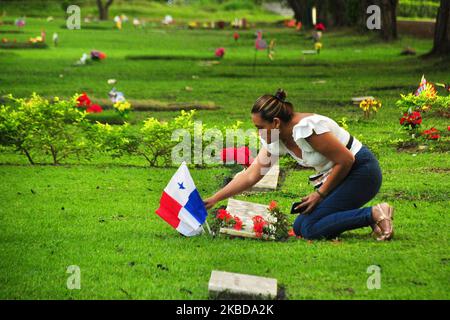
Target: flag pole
207,227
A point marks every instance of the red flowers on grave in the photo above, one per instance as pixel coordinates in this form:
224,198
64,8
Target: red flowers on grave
431,134
413,119
94,108
235,36
258,225
83,101
220,52
228,219
319,27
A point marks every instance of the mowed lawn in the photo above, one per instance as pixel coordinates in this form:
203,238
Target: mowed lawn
99,214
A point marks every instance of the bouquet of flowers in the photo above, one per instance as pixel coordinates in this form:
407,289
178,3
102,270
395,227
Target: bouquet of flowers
411,120
274,226
370,106
223,219
83,101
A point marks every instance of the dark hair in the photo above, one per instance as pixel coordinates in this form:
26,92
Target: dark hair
274,106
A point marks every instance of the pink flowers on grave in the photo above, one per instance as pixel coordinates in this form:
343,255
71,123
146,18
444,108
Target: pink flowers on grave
260,43
220,52
240,156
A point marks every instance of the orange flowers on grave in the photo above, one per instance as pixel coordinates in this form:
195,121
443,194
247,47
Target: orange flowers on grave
273,205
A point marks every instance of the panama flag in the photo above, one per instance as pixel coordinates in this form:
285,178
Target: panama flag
181,205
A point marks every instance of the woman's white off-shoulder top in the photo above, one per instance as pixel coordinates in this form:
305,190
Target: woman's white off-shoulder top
310,157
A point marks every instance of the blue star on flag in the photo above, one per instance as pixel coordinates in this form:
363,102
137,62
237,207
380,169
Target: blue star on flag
180,185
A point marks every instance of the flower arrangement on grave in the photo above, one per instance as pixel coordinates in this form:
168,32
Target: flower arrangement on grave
123,108
415,108
223,219
276,227
83,101
370,106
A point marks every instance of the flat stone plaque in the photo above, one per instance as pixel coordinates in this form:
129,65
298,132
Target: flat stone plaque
358,100
269,182
227,285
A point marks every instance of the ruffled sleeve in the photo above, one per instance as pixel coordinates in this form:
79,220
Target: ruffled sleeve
310,124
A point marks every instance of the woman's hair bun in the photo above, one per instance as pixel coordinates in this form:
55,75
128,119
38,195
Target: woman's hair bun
280,95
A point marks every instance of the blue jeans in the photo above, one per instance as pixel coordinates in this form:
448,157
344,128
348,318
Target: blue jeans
341,209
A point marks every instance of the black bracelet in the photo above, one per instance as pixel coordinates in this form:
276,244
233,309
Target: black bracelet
320,194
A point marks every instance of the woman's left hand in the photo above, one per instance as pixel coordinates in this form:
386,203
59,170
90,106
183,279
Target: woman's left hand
309,202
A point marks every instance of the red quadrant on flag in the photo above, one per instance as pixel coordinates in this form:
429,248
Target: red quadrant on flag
169,209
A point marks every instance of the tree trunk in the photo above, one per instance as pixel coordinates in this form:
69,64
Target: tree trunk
337,12
103,9
302,11
389,19
441,44
28,156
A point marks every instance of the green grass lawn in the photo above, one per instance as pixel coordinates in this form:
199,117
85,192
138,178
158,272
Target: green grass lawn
100,216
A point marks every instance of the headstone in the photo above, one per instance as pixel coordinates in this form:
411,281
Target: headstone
309,52
227,285
245,211
358,100
270,180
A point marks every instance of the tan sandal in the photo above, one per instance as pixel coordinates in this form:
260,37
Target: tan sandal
387,214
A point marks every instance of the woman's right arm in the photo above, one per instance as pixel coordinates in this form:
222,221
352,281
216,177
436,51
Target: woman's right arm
243,181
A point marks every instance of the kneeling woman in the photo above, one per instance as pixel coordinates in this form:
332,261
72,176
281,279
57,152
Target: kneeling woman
348,173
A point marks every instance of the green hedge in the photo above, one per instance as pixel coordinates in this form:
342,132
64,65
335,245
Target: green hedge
420,9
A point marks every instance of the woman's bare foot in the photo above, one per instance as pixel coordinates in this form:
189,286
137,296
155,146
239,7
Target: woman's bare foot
383,214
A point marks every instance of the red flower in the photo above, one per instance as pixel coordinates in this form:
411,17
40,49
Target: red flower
236,36
223,214
448,128
319,27
413,119
273,204
238,223
432,134
220,52
258,225
95,108
83,100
